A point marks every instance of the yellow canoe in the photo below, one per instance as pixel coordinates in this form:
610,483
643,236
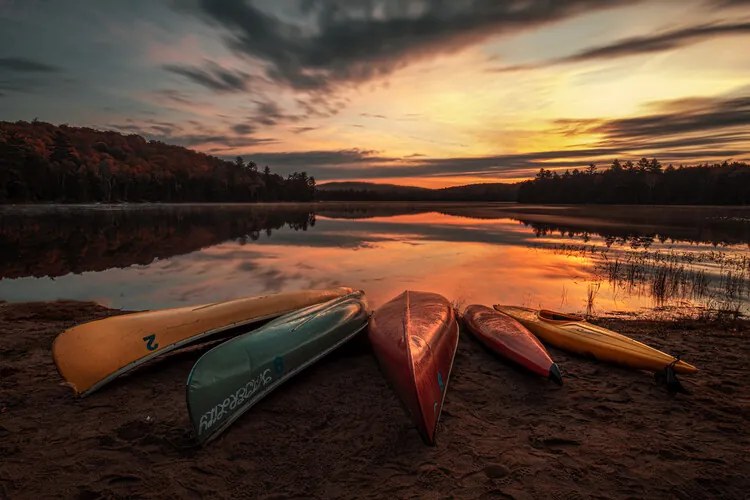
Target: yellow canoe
92,354
574,334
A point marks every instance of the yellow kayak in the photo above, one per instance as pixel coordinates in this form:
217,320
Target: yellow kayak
575,334
92,354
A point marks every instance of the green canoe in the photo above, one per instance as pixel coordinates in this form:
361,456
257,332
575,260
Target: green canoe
230,378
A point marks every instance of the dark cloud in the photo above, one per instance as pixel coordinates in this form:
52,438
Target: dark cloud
302,130
147,128
24,75
715,114
321,158
174,135
728,3
371,115
175,96
664,41
15,85
243,128
357,40
692,142
643,45
227,142
319,105
22,65
269,113
213,77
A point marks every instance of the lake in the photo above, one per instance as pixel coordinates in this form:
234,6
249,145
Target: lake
589,259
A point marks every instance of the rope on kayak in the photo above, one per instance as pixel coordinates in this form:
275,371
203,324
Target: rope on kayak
668,377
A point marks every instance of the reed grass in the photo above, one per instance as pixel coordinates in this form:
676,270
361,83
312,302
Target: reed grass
715,283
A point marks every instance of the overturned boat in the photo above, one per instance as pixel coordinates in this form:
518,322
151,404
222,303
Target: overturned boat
92,354
511,340
415,337
230,378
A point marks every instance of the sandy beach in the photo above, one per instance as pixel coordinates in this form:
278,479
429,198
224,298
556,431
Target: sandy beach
337,431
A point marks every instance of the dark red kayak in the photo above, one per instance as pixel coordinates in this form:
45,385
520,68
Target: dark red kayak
414,337
510,339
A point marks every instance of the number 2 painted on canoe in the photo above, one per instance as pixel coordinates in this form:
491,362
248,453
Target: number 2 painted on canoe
151,343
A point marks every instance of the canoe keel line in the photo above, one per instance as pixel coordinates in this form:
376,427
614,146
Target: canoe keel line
232,377
414,337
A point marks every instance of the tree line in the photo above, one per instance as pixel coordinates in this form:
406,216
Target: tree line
644,182
41,162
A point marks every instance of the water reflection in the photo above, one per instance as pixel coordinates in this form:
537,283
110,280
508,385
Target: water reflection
554,257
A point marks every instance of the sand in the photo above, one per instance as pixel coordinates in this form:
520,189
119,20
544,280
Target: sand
337,431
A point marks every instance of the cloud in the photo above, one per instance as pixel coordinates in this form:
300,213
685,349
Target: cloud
269,113
321,158
175,96
172,134
226,142
22,65
692,130
302,130
212,76
684,116
728,3
354,41
243,128
642,45
24,75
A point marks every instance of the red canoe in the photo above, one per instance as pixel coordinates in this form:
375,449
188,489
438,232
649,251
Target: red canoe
510,339
414,337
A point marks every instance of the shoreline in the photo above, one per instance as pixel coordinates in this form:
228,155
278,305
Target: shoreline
608,431
318,203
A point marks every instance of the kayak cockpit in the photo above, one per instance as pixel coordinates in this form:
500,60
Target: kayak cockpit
548,315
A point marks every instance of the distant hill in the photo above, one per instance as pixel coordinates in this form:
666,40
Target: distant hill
369,186
369,191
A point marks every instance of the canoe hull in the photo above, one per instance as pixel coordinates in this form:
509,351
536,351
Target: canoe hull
414,337
578,336
92,354
230,378
511,340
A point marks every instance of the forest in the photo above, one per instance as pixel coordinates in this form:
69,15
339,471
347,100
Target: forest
41,162
644,182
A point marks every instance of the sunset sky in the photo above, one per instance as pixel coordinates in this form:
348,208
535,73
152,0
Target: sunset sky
431,93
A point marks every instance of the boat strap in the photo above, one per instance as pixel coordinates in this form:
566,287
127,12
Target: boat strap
668,377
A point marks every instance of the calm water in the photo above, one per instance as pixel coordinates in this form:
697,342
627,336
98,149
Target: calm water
569,258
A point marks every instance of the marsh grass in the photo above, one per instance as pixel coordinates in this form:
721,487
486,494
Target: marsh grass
593,289
719,291
715,284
